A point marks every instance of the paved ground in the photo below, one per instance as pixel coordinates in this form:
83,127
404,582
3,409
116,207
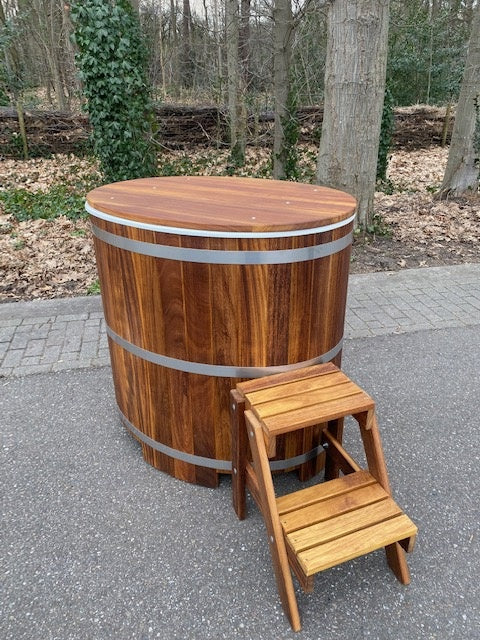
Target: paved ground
54,335
95,544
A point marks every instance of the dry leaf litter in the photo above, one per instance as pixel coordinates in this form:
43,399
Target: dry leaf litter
55,258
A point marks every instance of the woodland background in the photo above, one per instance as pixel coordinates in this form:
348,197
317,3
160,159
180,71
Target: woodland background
45,247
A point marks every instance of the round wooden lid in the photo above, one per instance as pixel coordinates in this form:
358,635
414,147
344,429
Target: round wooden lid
223,203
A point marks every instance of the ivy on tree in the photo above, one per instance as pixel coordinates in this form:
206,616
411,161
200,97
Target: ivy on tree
386,134
112,62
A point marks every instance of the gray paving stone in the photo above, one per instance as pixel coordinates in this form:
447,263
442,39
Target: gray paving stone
75,327
100,362
72,343
74,317
37,320
92,322
31,369
71,333
13,358
20,340
90,333
71,364
35,348
89,349
6,333
473,301
51,354
28,361
8,322
24,329
56,337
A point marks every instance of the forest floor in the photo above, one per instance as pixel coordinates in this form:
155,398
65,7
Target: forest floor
55,258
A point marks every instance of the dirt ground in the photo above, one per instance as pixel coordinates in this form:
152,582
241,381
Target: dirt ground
48,259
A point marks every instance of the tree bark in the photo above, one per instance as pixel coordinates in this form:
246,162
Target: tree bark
354,92
236,85
217,35
187,59
462,172
282,25
244,41
135,6
174,39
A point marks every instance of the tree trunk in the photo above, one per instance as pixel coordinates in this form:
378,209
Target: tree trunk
244,41
72,85
187,61
354,91
461,174
174,39
135,6
217,33
236,86
282,21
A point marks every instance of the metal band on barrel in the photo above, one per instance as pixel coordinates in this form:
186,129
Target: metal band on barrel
217,370
211,463
207,233
212,256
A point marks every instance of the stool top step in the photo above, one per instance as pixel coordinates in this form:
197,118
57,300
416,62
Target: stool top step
303,398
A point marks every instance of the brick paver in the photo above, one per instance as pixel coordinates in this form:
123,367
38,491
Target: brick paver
54,335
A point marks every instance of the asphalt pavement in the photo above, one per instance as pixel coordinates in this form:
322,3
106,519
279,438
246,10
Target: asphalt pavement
96,544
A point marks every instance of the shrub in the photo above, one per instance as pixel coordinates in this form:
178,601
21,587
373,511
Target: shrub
112,60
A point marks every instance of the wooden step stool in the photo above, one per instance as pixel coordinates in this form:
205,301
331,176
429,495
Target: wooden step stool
345,517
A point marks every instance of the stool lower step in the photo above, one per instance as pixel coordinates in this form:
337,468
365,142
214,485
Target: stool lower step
345,518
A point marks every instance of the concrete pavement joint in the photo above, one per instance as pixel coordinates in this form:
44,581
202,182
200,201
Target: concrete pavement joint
41,336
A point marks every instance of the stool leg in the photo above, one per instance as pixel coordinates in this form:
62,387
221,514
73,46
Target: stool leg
276,540
397,562
239,452
332,470
373,447
312,437
376,465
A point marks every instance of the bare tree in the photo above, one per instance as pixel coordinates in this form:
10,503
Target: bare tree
47,22
354,92
187,60
10,59
282,38
244,41
236,84
462,172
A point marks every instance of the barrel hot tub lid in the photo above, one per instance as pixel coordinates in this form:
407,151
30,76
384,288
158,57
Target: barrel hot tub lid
211,205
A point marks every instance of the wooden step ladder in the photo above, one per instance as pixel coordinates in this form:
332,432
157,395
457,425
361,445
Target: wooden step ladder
350,514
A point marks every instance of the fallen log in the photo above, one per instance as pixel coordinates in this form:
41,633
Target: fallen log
179,126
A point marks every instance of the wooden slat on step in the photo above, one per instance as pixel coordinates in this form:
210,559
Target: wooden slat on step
302,400
270,394
356,544
344,524
310,415
332,507
250,386
310,495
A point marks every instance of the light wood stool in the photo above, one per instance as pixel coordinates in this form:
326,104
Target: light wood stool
321,526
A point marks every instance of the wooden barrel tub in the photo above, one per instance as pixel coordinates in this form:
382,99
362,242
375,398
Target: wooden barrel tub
207,281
